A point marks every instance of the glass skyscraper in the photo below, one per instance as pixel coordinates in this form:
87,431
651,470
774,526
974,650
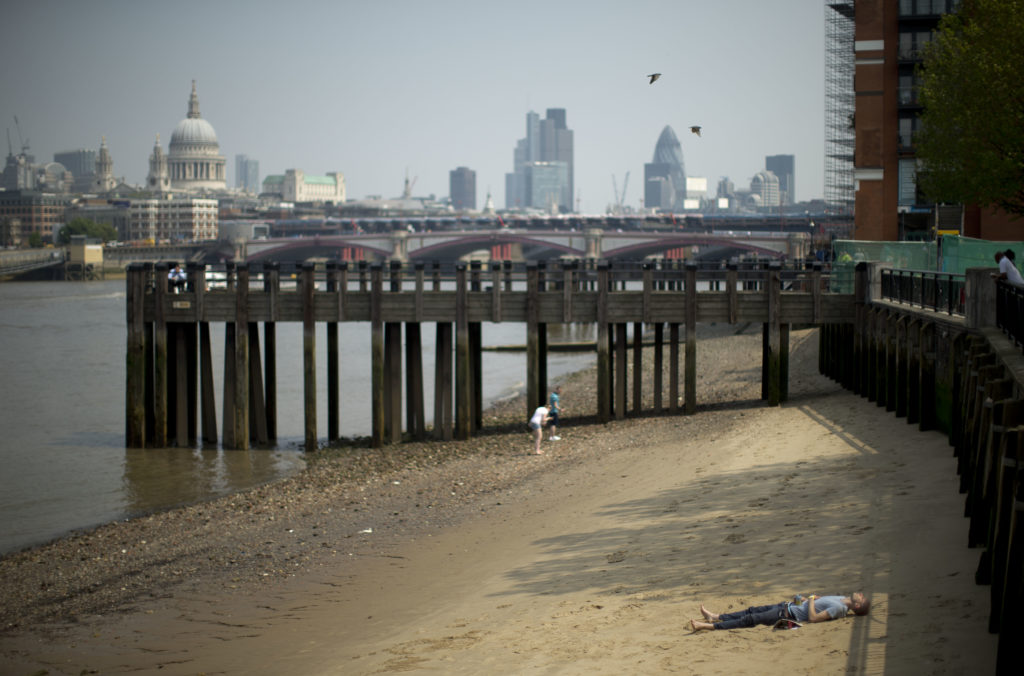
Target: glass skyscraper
665,176
542,176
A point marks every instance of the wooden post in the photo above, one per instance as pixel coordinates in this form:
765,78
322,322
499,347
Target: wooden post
476,351
533,382
414,411
135,361
773,289
309,355
376,355
392,382
333,362
902,375
160,384
638,371
496,292
731,283
463,365
208,406
999,539
913,384
659,335
241,418
620,370
673,368
257,406
603,347
1010,651
691,338
181,378
443,382
272,286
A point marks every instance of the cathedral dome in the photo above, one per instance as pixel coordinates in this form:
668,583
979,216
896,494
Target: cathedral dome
194,162
194,131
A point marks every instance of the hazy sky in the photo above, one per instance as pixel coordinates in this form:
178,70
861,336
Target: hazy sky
379,87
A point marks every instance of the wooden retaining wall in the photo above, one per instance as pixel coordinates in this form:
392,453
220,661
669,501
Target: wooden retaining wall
964,377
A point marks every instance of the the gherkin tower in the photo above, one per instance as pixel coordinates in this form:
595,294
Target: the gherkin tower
665,176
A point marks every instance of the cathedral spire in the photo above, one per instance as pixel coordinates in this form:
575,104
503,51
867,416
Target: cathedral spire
193,103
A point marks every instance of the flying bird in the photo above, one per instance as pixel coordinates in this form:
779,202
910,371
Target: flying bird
653,76
695,129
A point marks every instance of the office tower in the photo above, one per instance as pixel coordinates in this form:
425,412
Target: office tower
462,188
247,174
542,175
665,175
81,163
783,167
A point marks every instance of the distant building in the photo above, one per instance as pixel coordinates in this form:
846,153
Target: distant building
193,159
765,185
247,174
783,167
546,154
82,164
18,171
176,219
295,186
26,211
669,193
462,188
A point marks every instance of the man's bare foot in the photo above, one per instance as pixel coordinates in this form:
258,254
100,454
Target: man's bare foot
540,452
708,615
697,626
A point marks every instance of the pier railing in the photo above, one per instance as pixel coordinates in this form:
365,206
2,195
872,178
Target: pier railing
939,291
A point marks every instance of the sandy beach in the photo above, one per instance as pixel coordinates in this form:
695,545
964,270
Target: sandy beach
479,558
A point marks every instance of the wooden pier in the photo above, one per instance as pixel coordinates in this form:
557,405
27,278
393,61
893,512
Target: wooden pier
170,391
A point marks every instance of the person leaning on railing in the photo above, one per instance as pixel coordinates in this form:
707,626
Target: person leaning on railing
1007,268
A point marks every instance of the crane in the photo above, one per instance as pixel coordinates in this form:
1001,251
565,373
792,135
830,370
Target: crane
24,143
620,198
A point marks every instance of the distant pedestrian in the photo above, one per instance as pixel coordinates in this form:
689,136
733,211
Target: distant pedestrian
555,406
537,422
176,278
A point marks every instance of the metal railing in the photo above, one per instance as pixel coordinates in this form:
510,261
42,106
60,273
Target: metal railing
938,291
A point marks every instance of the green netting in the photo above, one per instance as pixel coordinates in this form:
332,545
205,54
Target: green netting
951,253
960,253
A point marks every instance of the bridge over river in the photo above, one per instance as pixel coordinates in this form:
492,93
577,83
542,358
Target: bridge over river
516,244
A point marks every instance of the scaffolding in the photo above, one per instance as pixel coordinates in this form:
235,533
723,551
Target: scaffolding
839,106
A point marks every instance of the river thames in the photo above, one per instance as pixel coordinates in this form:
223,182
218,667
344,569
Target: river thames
62,404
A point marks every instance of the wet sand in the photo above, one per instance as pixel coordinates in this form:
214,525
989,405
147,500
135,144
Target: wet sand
479,558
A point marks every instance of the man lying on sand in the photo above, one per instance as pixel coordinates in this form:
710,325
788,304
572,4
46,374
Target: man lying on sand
812,609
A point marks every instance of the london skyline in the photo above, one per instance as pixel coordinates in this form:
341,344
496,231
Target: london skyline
378,90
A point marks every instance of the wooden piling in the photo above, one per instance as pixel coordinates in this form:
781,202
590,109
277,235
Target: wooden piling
160,375
414,411
463,365
443,423
135,359
241,372
272,287
690,403
604,411
309,356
